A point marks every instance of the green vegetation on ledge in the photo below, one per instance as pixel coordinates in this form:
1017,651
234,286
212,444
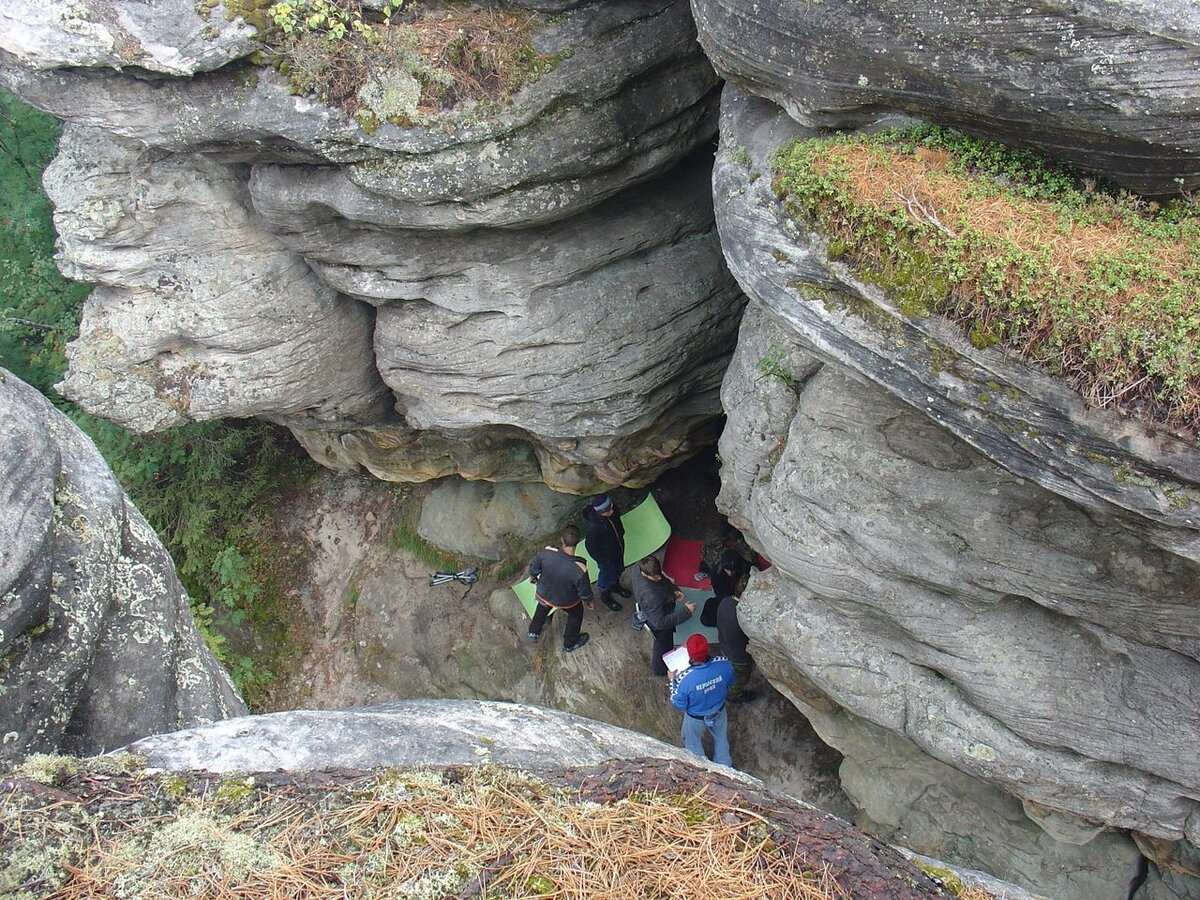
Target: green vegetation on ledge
404,64
1099,287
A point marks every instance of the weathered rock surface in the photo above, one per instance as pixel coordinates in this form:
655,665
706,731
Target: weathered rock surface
97,637
479,519
1026,421
1110,85
406,733
201,313
597,343
169,36
510,353
990,626
971,569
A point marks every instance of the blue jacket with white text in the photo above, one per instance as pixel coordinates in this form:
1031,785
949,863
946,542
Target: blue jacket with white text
701,689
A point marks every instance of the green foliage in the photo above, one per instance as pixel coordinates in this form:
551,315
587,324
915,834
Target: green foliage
39,309
404,537
380,69
201,486
773,365
1095,285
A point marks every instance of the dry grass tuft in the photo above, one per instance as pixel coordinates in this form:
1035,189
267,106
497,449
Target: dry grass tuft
483,832
428,58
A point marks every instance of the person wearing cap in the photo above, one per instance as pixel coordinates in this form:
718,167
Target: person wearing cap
562,583
606,545
700,692
728,578
661,602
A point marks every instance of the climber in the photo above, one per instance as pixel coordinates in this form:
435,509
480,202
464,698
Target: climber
606,545
561,581
700,691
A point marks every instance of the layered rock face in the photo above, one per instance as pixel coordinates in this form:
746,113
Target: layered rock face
99,646
527,291
983,594
1110,85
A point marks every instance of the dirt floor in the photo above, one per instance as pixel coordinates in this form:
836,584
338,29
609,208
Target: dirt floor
377,631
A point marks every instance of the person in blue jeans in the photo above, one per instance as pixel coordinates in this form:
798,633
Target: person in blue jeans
700,691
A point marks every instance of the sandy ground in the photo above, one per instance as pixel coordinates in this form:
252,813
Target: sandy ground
377,631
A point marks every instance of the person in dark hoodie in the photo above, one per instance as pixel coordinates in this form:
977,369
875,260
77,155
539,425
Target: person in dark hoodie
733,643
660,602
606,544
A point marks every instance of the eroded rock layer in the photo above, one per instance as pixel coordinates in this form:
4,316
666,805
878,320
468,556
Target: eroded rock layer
1110,85
958,576
550,299
96,635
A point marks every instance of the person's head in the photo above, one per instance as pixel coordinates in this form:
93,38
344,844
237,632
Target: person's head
603,505
569,537
651,568
697,648
732,562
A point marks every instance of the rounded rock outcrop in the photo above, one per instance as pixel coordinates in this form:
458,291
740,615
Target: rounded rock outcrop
959,576
241,236
97,634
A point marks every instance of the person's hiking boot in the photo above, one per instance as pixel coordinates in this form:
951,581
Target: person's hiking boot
607,599
745,697
583,639
532,637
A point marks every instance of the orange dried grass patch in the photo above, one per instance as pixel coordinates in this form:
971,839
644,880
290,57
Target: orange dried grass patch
493,833
484,49
889,180
1038,276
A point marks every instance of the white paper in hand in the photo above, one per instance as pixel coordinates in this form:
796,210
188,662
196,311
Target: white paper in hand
677,660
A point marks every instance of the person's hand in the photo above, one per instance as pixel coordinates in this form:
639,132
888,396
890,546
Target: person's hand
691,607
679,596
590,606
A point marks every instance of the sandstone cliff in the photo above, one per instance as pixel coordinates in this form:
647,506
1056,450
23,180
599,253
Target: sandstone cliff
514,289
984,594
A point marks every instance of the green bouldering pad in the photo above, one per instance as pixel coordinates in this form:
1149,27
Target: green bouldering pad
646,530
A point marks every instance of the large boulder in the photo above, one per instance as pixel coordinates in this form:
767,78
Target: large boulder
1110,85
552,301
97,636
201,312
957,569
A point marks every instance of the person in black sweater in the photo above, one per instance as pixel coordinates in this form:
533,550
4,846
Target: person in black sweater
660,602
733,643
606,544
562,583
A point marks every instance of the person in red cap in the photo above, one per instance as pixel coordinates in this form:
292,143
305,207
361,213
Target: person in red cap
700,691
